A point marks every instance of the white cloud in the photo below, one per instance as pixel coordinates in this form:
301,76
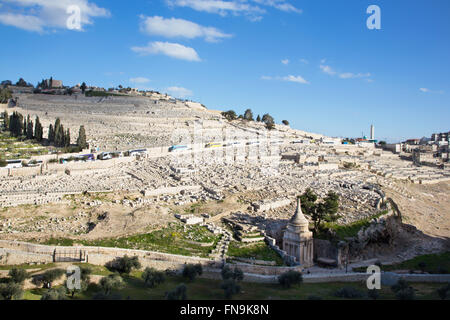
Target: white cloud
179,92
139,80
285,61
40,15
349,75
279,4
236,7
217,6
426,90
173,27
174,50
304,61
344,75
327,69
289,78
298,79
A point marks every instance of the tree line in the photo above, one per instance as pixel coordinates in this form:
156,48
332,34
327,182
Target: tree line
20,126
268,120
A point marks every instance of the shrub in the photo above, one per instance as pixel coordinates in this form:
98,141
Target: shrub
110,283
123,265
373,294
402,290
405,294
235,274
102,296
349,293
179,293
444,291
229,115
290,278
18,275
55,294
230,288
422,266
46,279
152,277
191,271
11,291
400,285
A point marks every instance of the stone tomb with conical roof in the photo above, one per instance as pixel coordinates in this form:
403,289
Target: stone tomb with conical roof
297,239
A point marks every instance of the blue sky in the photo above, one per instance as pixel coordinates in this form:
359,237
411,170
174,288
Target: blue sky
314,63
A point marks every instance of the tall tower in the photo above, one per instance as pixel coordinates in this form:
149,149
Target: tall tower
372,132
297,239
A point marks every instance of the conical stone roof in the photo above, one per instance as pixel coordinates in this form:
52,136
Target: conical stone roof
298,219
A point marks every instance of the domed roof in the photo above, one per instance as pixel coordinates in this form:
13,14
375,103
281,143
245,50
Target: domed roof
298,219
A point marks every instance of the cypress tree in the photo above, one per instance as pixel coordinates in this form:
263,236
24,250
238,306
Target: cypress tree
81,141
30,134
38,132
67,139
51,134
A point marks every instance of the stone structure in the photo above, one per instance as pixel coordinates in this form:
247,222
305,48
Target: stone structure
297,239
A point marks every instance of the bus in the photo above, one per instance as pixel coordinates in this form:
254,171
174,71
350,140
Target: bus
13,164
86,157
213,145
177,148
136,152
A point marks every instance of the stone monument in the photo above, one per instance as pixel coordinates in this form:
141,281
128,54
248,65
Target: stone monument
297,239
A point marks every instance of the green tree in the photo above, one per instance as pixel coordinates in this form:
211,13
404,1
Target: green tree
229,115
55,294
11,290
285,122
30,133
124,265
83,87
67,138
230,288
110,283
235,274
269,121
444,292
48,277
38,131
290,278
258,118
322,211
248,115
191,271
21,83
51,134
152,277
18,275
5,120
403,291
179,293
5,95
81,141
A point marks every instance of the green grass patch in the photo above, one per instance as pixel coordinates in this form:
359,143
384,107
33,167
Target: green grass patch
258,251
351,229
432,263
208,289
174,239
